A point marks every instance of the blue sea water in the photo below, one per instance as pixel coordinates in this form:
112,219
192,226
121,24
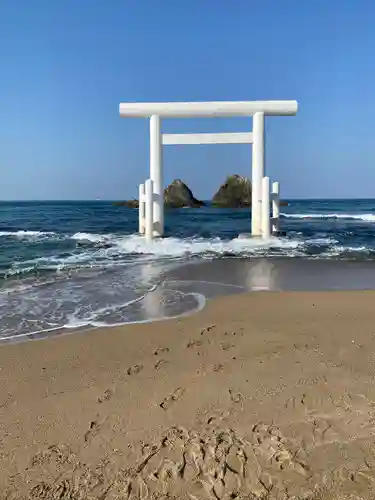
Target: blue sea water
72,264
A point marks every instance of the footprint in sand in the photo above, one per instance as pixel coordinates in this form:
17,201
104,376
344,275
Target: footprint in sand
226,346
323,431
159,364
59,453
161,350
236,397
106,396
194,343
84,482
135,369
172,398
208,329
211,464
216,417
62,489
234,333
202,463
312,400
297,403
218,368
94,428
271,447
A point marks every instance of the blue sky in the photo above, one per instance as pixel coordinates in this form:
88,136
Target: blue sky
66,65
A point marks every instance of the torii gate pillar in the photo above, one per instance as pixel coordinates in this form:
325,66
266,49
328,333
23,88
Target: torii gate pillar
156,174
257,174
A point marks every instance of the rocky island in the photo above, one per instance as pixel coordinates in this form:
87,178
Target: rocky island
179,195
176,195
235,192
127,203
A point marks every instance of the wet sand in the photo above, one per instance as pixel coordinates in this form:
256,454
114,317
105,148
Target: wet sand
227,276
262,395
184,289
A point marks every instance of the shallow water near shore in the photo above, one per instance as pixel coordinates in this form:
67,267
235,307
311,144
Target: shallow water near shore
69,265
263,274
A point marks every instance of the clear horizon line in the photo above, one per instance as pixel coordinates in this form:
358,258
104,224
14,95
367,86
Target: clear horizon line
291,198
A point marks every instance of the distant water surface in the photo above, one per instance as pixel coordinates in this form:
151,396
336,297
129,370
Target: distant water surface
72,264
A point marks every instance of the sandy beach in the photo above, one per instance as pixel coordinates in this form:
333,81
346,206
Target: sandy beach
263,395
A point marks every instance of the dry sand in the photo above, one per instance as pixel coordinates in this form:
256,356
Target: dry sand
267,395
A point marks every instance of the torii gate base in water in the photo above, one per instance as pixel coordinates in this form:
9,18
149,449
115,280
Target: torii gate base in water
151,193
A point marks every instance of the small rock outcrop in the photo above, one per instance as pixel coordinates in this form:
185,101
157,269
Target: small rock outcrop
179,195
127,203
176,195
234,193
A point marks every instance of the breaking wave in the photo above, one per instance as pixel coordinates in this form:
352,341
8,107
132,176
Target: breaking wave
26,234
357,217
98,251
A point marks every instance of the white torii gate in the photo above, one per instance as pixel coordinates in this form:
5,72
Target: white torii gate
151,199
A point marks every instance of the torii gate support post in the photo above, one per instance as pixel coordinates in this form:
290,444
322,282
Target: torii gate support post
142,209
275,208
265,208
149,209
257,174
156,174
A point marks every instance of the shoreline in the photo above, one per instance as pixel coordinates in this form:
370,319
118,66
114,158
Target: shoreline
294,389
184,290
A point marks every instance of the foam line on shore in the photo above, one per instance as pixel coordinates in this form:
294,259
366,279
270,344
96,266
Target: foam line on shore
184,290
70,328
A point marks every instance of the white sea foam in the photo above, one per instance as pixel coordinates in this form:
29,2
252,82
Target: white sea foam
318,241
122,248
26,234
130,296
362,217
89,237
73,323
50,263
178,247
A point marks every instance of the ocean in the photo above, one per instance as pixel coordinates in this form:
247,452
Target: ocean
68,265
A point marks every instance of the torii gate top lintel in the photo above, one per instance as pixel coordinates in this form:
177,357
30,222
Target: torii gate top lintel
207,109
